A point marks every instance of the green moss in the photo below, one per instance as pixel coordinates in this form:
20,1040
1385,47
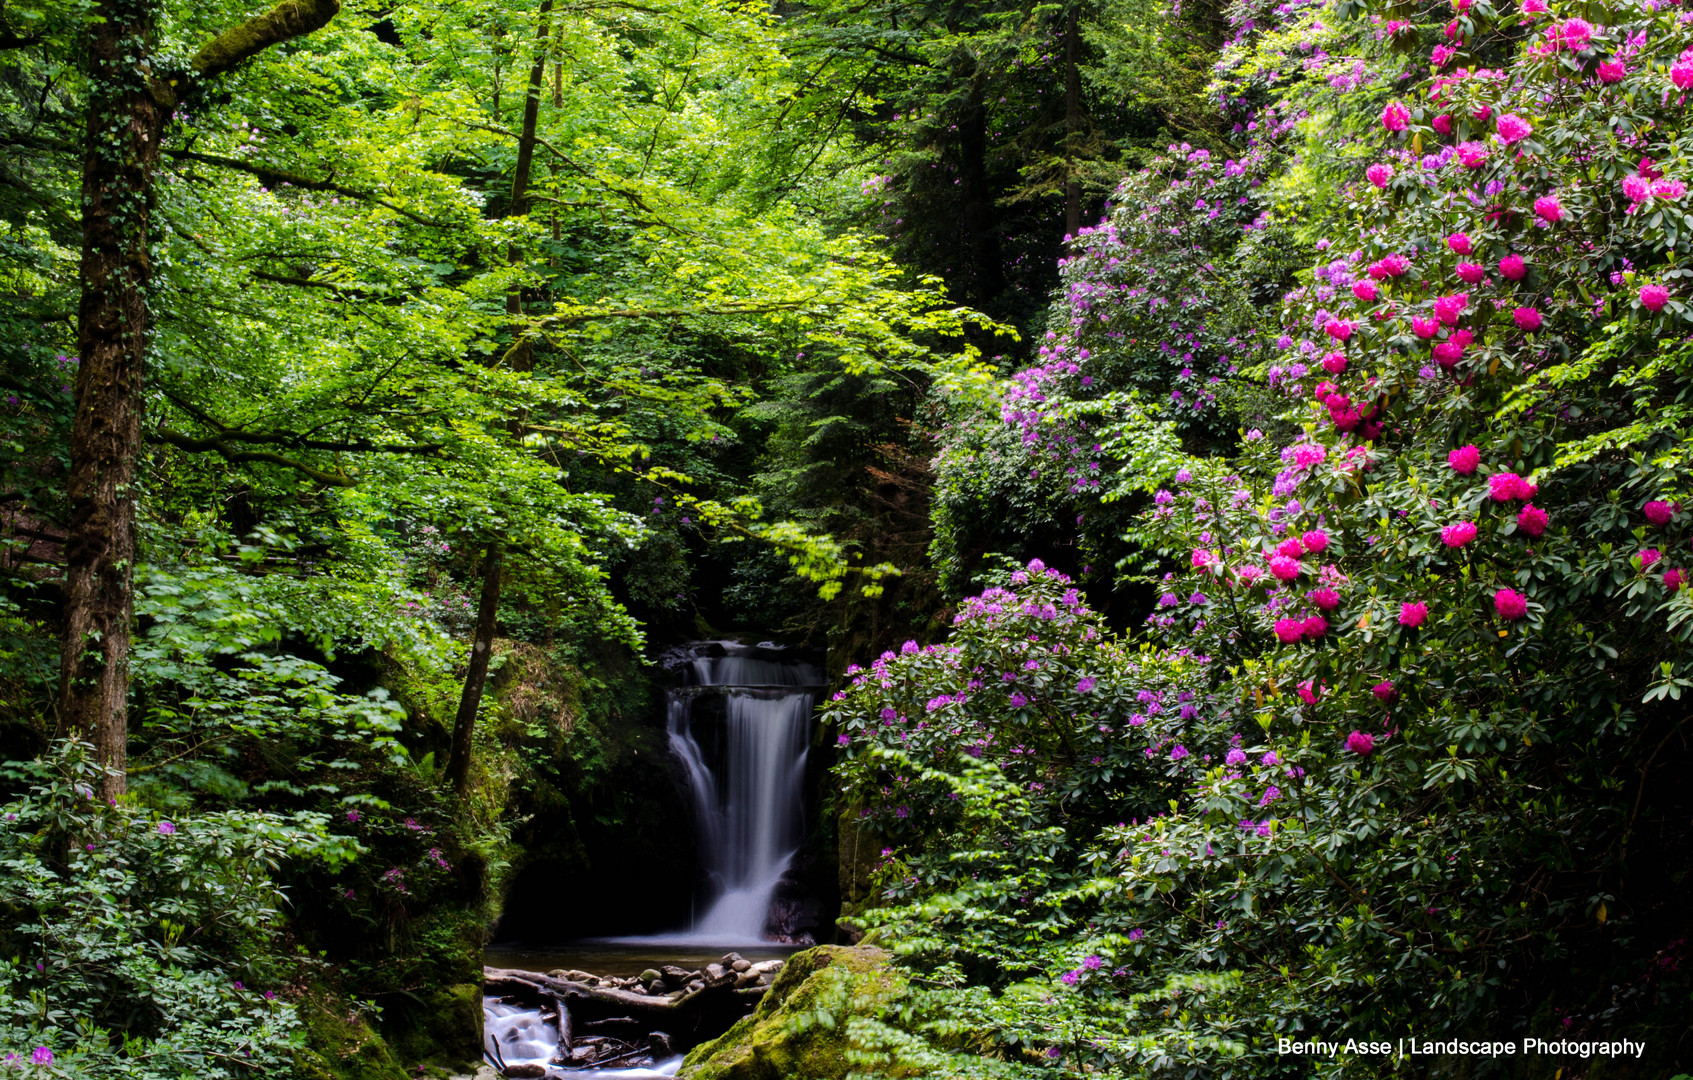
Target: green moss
802,1028
341,1044
440,1026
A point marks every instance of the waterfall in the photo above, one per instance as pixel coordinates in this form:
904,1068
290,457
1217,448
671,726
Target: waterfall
749,797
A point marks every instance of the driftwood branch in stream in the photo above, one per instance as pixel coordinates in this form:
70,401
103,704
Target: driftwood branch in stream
691,1018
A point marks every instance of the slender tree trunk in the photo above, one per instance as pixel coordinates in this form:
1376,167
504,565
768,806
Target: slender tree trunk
978,217
522,359
1072,127
470,701
121,152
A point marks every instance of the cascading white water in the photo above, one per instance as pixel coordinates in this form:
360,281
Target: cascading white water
751,809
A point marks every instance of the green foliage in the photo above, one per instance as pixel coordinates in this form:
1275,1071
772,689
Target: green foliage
142,947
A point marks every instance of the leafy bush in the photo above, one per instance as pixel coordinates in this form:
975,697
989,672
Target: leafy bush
1430,783
135,947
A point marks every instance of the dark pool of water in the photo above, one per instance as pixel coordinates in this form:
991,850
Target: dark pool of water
622,959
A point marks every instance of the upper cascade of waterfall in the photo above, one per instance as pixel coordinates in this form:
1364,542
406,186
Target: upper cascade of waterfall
750,665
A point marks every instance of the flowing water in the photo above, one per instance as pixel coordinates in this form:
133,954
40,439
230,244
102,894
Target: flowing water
750,807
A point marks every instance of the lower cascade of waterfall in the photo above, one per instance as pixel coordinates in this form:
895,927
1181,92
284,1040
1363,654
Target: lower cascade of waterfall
746,775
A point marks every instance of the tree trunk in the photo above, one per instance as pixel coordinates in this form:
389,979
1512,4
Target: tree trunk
978,217
470,699
482,647
129,104
1072,127
121,152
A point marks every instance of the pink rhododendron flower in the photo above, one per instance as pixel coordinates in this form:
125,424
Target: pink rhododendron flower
1532,520
1507,486
1307,692
1325,598
1572,34
1284,568
1672,580
1443,124
1637,188
1413,613
1513,267
1361,744
1512,127
1448,308
1384,690
1472,154
1653,297
1339,329
1379,174
1528,318
1448,353
1395,116
1316,626
1246,575
1441,55
1460,243
1456,536
1289,631
1481,112
1669,189
1202,559
1659,513
1366,291
1424,328
1648,556
1612,71
1534,7
1315,540
1681,72
1548,208
1334,363
1464,459
1470,273
1510,604
1290,548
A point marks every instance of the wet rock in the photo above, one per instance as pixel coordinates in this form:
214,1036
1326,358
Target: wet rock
650,976
697,984
746,979
713,971
740,965
730,959
661,1044
767,967
526,1070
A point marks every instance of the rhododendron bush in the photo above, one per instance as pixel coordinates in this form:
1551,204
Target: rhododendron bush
1428,607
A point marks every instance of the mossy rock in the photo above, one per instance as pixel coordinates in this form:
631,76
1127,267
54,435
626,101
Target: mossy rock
341,1045
801,1029
440,1025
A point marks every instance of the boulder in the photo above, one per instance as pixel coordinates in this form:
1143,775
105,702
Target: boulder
740,965
661,1045
799,1029
650,976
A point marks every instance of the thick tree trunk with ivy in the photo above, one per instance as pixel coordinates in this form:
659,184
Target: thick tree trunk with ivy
125,122
129,103
519,357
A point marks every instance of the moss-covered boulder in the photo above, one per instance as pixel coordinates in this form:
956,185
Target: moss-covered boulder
804,1026
439,1025
341,1044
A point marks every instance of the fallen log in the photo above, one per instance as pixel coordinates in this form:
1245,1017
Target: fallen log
690,1018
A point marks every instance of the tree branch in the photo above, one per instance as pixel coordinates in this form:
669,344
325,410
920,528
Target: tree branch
286,21
296,442
276,177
